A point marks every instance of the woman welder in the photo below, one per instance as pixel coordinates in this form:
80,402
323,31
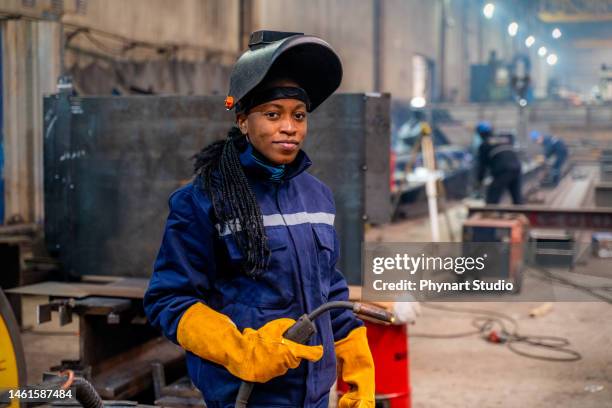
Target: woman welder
250,245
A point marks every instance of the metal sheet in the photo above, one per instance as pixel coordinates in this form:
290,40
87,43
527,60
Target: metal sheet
603,194
133,288
348,142
112,162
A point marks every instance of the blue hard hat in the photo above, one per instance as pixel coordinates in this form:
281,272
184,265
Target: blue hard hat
534,135
484,128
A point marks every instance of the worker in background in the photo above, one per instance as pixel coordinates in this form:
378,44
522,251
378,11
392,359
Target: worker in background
496,154
555,152
250,245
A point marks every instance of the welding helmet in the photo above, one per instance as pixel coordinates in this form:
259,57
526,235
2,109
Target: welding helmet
484,129
305,59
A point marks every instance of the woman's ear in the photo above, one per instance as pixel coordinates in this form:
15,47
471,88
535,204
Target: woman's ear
242,122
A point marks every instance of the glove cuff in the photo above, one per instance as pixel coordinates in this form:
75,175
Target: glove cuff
195,333
354,335
356,365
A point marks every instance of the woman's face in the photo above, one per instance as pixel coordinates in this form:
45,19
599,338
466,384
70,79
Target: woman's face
277,128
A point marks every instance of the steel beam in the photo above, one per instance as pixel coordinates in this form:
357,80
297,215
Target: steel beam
546,217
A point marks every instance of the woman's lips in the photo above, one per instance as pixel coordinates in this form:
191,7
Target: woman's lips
289,146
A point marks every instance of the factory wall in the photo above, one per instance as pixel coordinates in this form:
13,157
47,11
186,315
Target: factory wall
461,46
211,25
152,46
406,28
411,27
117,53
579,69
198,26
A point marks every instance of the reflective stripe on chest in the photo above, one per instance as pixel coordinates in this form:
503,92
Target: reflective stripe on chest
273,220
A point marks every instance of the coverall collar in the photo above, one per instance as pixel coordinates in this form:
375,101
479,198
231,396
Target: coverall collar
252,167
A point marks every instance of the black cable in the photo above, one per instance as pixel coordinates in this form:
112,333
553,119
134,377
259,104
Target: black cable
487,320
325,307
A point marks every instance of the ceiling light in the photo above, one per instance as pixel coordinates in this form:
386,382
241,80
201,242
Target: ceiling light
418,102
513,28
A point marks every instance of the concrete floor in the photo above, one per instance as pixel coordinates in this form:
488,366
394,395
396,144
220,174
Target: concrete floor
470,372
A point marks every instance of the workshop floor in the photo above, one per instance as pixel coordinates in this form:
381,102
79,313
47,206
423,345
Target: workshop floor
470,372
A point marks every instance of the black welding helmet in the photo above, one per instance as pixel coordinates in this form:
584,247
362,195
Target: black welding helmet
305,59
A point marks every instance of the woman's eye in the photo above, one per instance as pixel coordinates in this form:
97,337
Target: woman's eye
300,116
272,115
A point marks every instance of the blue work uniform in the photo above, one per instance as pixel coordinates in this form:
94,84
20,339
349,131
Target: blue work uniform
496,153
199,262
554,146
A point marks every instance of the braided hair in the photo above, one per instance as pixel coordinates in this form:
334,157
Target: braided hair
218,171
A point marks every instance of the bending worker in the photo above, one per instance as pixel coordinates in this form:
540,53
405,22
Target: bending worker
496,153
250,245
555,150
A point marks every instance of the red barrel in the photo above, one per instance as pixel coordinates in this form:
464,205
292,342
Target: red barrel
389,346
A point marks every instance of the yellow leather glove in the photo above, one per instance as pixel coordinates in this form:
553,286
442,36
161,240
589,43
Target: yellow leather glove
253,355
356,367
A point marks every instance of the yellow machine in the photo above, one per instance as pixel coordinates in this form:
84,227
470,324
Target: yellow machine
12,362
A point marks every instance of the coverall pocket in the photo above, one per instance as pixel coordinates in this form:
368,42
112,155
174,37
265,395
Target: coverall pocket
233,250
236,255
324,235
273,288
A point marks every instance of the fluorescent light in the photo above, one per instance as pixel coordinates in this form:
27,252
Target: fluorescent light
556,33
418,102
513,28
552,59
530,41
488,10
542,51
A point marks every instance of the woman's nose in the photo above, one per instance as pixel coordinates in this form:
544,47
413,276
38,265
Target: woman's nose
288,126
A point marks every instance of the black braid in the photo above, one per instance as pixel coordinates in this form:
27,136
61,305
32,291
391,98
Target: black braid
218,171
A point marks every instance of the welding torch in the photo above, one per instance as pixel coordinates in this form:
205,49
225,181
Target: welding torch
303,329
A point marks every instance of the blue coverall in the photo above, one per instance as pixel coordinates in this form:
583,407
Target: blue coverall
497,154
554,146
